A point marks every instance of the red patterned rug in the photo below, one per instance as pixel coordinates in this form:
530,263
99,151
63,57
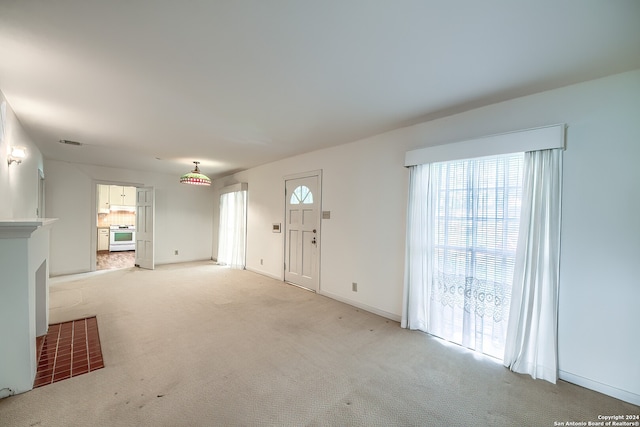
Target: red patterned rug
69,349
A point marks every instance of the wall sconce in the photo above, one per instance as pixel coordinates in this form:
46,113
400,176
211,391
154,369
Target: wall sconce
17,155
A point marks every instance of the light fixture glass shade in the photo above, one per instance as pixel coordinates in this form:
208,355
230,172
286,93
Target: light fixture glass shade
195,177
17,155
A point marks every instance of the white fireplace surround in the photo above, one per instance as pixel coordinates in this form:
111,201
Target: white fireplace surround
24,299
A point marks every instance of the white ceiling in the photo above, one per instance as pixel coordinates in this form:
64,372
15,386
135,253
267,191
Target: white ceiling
235,84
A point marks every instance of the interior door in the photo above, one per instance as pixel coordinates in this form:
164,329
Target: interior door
302,231
145,216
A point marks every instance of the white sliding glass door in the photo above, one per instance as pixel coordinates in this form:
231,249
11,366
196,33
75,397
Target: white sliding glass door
232,234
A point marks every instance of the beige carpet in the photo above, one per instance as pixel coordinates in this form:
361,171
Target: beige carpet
200,345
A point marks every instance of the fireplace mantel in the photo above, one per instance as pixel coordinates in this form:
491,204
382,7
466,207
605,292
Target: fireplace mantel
22,227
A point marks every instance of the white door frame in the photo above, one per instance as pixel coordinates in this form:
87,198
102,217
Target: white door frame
314,173
41,194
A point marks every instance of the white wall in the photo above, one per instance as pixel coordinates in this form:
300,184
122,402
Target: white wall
359,188
365,188
18,183
183,214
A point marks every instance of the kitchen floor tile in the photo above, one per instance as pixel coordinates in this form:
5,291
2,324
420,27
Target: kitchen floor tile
112,260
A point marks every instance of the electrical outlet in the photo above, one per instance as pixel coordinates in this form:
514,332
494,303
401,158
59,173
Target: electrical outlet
261,261
354,287
176,252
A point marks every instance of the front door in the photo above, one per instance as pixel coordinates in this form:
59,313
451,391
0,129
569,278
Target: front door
302,231
144,227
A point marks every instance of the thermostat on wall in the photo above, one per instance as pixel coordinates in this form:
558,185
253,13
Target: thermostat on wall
276,228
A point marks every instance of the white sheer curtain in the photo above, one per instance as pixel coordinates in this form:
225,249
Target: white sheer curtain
477,208
461,240
531,345
232,233
419,250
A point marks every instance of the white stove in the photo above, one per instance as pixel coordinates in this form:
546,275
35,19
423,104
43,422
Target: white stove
122,238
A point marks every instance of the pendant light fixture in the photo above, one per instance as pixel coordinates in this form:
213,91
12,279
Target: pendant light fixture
195,177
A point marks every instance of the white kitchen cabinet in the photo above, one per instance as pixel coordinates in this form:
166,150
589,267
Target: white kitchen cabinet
115,195
129,196
122,196
103,239
103,199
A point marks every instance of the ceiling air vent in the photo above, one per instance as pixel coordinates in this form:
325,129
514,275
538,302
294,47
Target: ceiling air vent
66,141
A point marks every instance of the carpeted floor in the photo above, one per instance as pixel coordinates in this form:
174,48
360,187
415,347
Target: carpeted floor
201,345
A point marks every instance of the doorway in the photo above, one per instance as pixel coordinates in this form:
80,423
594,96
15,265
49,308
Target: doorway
232,231
302,230
115,226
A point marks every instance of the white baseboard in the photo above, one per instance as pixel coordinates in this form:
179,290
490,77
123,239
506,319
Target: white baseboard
182,261
53,274
263,273
357,304
365,307
624,395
